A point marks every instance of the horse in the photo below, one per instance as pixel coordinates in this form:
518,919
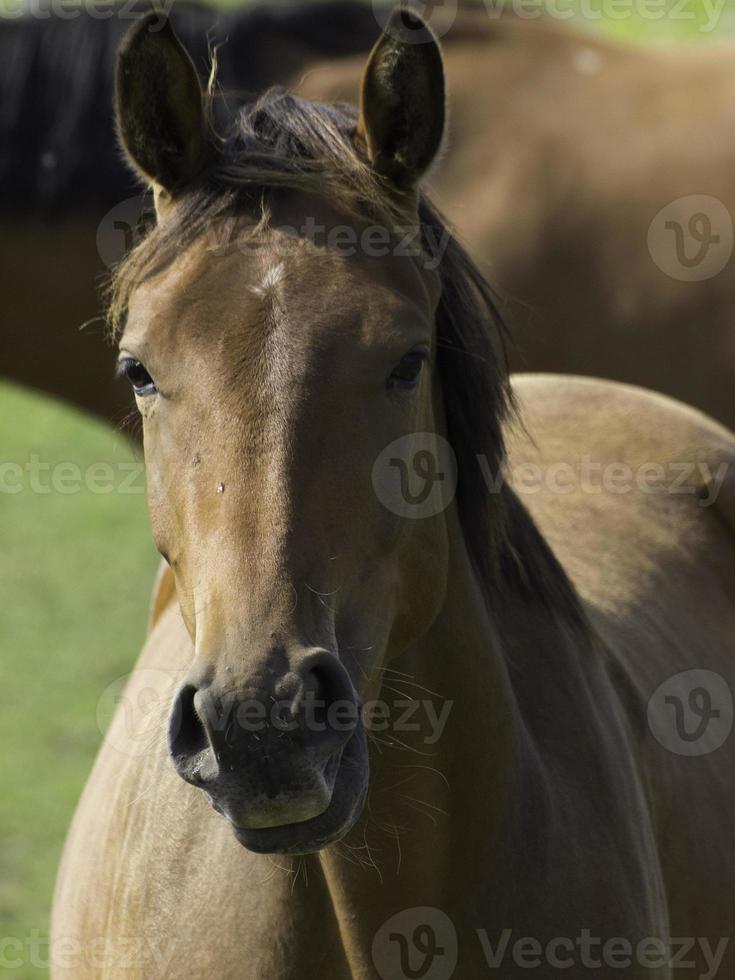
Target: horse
439,670
69,207
591,181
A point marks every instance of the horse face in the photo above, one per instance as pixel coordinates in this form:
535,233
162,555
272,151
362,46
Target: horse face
272,371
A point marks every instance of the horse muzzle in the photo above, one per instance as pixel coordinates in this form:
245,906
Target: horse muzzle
284,757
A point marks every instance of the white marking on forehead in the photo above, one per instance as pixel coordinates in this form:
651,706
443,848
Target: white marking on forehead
587,61
272,277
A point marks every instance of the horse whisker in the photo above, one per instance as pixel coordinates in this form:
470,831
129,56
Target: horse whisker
412,765
424,803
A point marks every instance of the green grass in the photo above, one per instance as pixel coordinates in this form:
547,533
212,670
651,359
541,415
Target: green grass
75,574
653,21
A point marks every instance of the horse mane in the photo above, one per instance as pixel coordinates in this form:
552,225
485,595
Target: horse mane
284,143
56,76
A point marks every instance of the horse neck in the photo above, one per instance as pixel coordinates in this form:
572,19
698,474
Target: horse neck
535,724
437,814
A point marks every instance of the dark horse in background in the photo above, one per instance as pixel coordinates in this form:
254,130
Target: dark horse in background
60,174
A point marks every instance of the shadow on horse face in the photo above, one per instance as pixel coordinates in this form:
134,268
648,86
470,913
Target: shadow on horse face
271,370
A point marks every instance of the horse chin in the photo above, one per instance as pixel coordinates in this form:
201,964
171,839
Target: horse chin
310,836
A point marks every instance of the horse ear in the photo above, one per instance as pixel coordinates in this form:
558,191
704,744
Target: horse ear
159,106
402,104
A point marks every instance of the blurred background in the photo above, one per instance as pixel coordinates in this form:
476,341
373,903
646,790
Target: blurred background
76,561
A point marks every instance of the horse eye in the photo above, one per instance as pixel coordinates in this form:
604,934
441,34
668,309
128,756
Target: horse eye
143,384
408,371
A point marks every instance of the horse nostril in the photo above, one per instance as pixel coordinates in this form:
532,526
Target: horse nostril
187,737
328,700
317,691
307,717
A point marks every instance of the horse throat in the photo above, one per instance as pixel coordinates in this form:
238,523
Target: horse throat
443,800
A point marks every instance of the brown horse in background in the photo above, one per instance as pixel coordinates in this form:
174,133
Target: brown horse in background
564,151
565,148
287,387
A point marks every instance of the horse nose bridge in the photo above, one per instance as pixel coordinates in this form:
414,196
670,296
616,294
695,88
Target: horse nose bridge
260,621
